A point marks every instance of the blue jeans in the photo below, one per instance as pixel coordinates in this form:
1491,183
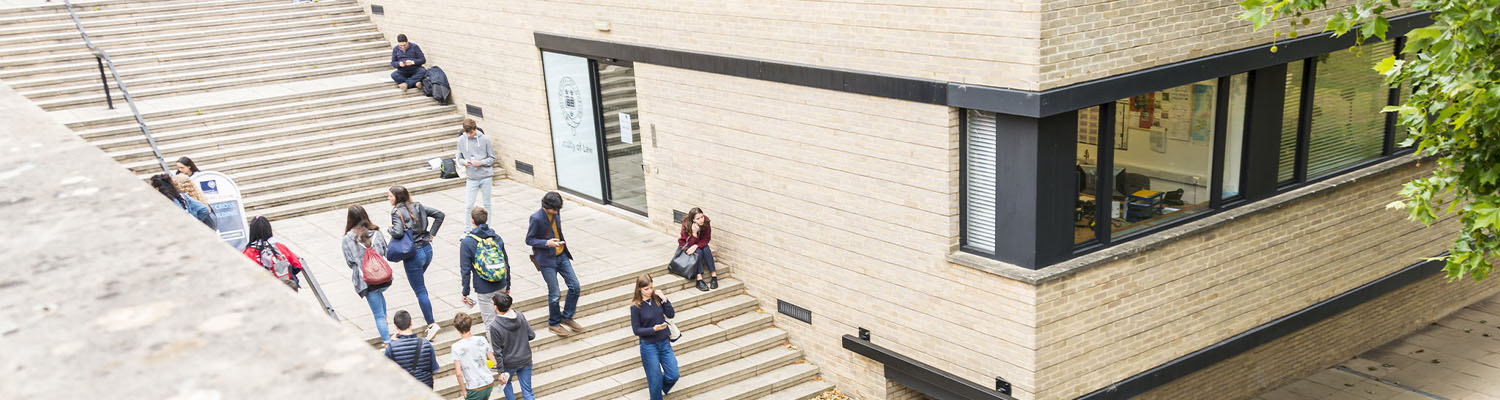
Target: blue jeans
415,267
471,188
661,367
522,374
565,268
409,80
376,298
705,261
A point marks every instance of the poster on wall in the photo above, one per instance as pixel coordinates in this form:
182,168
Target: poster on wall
1203,112
223,197
575,139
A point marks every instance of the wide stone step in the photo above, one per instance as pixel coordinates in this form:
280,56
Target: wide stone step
146,25
803,391
241,112
701,370
407,157
264,156
172,75
277,124
144,70
313,206
555,371
307,176
770,384
241,105
127,54
300,73
180,38
88,11
102,18
294,137
371,180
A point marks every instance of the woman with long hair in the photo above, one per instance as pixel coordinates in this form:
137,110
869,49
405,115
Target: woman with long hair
359,234
261,244
163,184
649,310
185,186
408,215
186,166
694,240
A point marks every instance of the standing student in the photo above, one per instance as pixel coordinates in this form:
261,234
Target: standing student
411,352
163,184
410,215
186,166
649,311
510,337
694,240
267,252
470,247
471,360
477,155
545,236
360,234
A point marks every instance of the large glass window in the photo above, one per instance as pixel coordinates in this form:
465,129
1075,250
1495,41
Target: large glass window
1291,109
1085,173
1347,125
1163,156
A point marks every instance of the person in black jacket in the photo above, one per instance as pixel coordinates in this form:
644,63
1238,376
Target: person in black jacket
408,215
412,353
466,248
407,59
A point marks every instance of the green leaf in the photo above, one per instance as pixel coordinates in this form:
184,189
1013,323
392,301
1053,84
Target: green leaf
1385,64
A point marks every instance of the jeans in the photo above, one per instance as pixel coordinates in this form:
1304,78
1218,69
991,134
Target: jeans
705,261
522,374
415,267
565,268
409,80
376,298
661,367
471,188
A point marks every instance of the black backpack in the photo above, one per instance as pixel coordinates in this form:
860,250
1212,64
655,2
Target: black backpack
435,85
449,170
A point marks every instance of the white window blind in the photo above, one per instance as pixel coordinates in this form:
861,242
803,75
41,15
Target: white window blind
980,181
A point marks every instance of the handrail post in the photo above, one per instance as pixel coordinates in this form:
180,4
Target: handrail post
102,79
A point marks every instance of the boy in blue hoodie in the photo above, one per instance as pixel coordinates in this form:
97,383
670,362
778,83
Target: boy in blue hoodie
467,248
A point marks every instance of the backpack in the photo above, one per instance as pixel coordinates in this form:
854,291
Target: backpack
373,269
449,169
435,85
490,262
277,263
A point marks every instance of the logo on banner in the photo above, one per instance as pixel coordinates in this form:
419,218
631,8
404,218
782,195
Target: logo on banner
570,96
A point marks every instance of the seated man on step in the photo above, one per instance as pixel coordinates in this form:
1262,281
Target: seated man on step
407,59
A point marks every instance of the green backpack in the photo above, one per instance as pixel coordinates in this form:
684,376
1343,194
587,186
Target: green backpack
490,262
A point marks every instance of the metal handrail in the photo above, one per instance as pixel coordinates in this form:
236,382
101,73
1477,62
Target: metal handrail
99,54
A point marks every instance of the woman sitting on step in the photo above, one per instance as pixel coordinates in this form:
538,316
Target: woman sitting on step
408,215
695,235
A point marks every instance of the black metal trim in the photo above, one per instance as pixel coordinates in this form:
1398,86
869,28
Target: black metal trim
1265,333
1393,99
1104,189
963,179
1221,133
1304,118
1025,103
920,376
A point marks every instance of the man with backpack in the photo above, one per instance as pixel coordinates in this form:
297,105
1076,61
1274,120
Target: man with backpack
477,155
412,352
482,259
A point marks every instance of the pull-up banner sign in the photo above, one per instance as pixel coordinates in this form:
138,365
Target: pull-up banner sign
223,197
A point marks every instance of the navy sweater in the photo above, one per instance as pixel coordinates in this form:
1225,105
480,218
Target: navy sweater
648,315
413,53
415,355
466,249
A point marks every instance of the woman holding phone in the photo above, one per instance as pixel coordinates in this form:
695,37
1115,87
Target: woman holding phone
649,311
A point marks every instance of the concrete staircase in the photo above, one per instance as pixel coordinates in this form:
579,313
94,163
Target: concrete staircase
729,349
291,100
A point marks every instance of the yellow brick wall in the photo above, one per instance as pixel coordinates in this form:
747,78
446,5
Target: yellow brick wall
1084,40
840,203
1329,342
1112,321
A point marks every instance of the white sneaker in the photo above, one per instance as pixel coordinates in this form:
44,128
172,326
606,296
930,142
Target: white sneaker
432,330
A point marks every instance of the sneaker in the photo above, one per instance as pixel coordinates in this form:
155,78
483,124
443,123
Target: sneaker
432,330
558,330
702,286
573,325
713,282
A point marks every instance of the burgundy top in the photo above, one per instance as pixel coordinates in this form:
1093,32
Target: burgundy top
701,241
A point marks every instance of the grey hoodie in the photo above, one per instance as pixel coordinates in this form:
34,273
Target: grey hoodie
478,149
510,338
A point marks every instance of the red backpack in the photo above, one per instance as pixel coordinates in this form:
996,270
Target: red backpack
374,269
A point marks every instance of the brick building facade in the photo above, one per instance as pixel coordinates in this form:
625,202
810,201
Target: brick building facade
836,147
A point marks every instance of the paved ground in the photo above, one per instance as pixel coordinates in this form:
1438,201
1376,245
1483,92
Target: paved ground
1457,358
602,244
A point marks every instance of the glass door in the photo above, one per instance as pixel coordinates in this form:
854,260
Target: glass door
595,130
622,147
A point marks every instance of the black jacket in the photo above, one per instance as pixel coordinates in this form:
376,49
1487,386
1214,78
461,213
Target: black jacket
420,231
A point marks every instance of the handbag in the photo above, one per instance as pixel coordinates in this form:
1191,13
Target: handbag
673,332
682,264
403,248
